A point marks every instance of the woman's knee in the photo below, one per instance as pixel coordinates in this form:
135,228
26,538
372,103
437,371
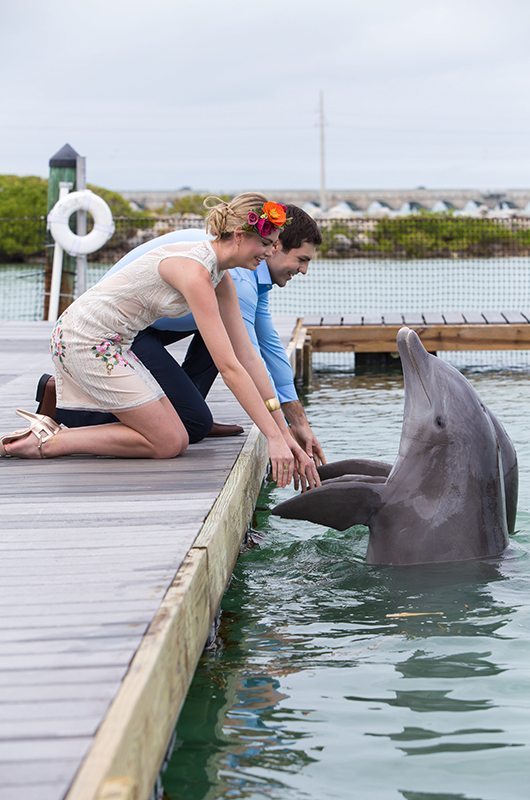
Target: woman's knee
172,446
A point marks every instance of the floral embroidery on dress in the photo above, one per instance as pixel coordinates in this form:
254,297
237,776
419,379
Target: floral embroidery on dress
111,352
58,346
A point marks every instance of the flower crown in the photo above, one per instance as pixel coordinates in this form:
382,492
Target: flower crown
265,220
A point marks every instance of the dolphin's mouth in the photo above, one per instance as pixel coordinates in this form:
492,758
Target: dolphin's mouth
409,342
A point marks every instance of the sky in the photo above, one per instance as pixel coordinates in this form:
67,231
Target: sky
224,95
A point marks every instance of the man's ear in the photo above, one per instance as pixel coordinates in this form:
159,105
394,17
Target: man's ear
277,246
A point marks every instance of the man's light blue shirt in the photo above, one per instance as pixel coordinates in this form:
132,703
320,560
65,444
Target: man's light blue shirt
253,288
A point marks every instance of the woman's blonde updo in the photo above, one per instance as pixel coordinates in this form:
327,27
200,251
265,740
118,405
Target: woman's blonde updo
224,217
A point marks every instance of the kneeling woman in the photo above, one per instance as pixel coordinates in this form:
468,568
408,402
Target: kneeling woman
97,371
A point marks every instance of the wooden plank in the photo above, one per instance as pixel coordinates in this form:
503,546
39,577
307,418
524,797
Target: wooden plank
11,730
365,339
412,318
298,346
43,791
494,318
221,533
352,319
72,632
41,692
453,317
307,358
65,619
332,319
133,737
372,319
79,709
433,318
473,317
514,317
28,750
63,676
42,772
392,318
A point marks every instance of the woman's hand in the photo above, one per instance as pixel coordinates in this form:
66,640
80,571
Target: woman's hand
305,473
282,461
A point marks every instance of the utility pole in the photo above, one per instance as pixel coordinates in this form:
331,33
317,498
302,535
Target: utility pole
322,156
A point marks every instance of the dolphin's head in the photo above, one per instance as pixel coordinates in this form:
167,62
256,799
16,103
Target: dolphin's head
441,407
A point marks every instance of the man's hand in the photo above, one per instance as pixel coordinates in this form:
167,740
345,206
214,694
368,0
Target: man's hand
301,431
309,442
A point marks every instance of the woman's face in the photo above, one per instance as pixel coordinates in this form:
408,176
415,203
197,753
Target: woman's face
254,248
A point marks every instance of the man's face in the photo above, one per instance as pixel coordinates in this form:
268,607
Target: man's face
284,264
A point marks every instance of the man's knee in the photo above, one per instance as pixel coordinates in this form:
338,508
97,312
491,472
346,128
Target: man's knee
198,424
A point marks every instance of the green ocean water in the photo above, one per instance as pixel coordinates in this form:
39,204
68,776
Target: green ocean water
314,691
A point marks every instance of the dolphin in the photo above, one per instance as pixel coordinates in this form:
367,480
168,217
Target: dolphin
451,494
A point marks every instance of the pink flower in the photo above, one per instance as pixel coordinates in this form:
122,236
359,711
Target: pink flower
264,227
252,218
102,348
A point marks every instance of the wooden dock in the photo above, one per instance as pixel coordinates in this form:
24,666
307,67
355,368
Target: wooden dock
376,333
112,571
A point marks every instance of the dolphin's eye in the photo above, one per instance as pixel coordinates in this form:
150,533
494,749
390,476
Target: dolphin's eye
439,422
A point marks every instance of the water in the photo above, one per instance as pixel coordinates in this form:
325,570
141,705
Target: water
315,691
22,289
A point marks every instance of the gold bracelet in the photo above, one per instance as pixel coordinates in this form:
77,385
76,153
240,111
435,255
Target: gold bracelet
273,404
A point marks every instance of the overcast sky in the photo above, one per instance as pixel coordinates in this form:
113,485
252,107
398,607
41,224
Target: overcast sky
224,94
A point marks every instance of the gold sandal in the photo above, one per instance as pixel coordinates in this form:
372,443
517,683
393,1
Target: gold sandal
11,437
39,425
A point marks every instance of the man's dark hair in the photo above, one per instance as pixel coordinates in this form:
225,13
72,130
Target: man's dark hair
301,229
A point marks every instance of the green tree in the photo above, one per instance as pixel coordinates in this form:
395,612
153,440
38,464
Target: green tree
127,221
119,206
23,208
192,204
22,213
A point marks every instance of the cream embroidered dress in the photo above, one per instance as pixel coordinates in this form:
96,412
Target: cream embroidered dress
95,367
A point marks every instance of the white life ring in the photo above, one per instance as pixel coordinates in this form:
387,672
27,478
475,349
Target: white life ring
84,200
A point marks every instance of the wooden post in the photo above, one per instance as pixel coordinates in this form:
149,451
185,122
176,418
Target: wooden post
62,170
307,359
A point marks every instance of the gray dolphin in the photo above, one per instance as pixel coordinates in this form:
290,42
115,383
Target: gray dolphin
450,495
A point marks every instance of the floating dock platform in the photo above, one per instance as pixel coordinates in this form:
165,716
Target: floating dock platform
367,335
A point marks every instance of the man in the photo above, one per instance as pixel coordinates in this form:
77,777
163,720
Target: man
187,386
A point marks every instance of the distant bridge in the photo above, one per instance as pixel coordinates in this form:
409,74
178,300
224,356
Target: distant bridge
362,199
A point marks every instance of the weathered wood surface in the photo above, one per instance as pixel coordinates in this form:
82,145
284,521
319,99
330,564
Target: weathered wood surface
471,317
466,330
110,573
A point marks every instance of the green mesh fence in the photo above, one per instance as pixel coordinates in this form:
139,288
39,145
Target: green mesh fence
365,265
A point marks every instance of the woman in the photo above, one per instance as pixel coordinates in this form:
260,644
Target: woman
96,370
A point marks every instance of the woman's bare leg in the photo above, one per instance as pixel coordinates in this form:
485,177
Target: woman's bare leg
154,430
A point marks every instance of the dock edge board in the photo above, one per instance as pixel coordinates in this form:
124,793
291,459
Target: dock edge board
129,748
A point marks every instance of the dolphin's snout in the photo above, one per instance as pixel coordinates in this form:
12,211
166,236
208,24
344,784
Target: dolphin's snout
414,360
402,334
410,344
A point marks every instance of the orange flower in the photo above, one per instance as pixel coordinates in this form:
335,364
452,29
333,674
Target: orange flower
275,213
